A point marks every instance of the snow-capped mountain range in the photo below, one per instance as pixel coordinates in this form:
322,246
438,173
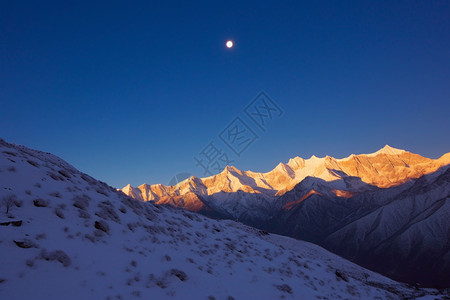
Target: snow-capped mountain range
385,168
389,207
65,235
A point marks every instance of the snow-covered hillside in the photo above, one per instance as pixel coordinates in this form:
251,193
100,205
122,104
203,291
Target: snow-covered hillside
65,235
402,232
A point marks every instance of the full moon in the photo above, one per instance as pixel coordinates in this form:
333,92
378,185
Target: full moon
229,44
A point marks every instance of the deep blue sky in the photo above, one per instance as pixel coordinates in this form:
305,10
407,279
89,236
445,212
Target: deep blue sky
130,92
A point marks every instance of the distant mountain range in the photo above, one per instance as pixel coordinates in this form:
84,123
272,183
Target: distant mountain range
388,210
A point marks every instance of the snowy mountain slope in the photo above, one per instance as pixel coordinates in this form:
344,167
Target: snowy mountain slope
401,232
65,235
409,234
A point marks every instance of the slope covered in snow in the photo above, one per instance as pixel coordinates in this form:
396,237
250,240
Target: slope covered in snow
65,235
401,232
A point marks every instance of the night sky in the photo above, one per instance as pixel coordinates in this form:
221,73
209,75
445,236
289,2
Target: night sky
133,92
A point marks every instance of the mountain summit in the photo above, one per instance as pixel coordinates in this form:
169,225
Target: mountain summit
388,150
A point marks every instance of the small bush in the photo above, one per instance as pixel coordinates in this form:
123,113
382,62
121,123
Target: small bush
10,153
59,213
284,288
91,238
133,204
83,214
88,179
102,225
55,176
102,191
57,255
161,284
8,202
33,163
98,233
40,203
64,173
29,263
179,274
56,194
11,169
107,212
81,202
341,275
18,203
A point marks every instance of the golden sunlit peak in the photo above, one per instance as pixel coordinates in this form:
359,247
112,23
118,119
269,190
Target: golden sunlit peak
388,150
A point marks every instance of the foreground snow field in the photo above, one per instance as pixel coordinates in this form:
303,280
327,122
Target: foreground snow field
65,235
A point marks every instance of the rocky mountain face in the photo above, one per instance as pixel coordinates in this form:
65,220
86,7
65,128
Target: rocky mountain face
401,232
386,210
65,235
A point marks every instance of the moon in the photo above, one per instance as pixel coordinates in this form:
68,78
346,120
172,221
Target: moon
229,44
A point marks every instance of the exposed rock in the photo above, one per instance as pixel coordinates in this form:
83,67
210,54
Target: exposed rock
13,223
26,243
